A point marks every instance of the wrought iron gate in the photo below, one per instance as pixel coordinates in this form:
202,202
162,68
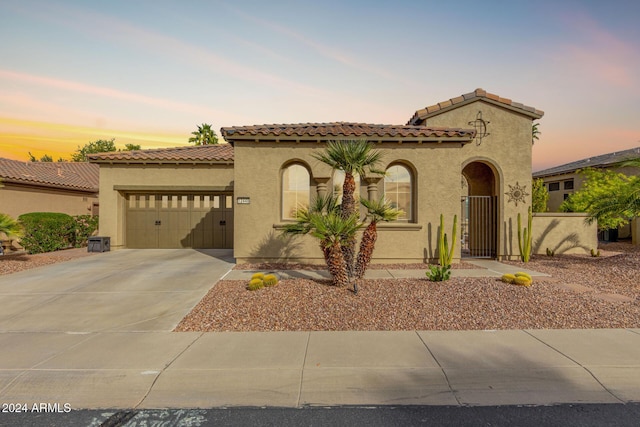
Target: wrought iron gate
478,227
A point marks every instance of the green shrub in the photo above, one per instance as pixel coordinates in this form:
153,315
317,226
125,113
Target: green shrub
270,279
255,284
508,278
47,231
439,273
85,226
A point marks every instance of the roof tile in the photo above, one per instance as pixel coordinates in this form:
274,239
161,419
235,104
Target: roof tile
602,160
185,154
420,115
66,175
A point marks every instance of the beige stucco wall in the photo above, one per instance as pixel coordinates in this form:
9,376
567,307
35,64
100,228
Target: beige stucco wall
16,200
258,168
150,178
507,150
557,197
563,233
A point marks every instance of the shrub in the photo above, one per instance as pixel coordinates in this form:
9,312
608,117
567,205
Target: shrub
255,284
508,278
47,231
595,253
439,273
270,279
85,226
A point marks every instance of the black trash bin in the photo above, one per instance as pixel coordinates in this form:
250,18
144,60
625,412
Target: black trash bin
99,244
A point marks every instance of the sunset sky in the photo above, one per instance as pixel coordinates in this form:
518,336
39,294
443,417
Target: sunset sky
148,72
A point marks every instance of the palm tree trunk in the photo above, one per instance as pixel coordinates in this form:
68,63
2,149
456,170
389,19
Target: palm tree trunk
336,265
367,244
349,208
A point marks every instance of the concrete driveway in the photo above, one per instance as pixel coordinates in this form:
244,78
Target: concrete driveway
124,290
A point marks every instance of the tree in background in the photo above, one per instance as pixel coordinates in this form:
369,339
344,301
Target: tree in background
131,147
535,133
609,197
204,135
99,146
539,196
44,158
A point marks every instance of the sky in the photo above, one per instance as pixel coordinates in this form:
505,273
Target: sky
148,72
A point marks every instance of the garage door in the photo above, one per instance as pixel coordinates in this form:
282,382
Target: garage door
179,221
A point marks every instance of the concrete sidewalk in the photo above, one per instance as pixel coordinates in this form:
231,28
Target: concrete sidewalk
95,333
293,369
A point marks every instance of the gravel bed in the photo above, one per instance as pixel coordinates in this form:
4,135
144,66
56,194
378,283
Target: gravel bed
12,263
267,266
418,304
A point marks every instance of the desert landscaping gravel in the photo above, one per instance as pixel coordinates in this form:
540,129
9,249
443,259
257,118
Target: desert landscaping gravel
13,263
418,304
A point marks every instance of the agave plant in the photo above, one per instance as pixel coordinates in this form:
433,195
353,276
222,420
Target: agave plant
377,210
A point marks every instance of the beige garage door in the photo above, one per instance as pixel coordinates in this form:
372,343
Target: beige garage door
176,220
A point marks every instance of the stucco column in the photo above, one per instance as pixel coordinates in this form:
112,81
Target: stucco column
321,185
372,186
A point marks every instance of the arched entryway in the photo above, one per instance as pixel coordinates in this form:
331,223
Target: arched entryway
479,211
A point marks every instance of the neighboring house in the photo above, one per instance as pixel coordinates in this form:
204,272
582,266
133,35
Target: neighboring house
564,180
468,156
66,187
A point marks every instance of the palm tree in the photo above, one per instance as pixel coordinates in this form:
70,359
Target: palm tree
353,157
204,135
378,210
9,226
535,133
334,231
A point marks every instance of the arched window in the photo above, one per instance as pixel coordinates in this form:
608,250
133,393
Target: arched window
295,190
338,182
398,189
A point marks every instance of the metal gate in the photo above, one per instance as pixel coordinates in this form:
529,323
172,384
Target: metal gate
478,227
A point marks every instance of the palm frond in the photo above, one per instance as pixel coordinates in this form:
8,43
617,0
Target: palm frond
381,210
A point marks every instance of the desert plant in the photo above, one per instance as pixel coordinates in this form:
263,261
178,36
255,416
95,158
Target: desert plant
257,276
524,238
525,275
380,210
444,252
595,253
9,226
439,273
550,252
270,279
522,281
508,278
255,284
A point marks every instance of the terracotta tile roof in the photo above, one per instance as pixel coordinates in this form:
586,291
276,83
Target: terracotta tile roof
601,161
66,175
478,94
187,154
323,131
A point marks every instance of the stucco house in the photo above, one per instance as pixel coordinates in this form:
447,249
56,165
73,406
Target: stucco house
468,156
563,180
66,187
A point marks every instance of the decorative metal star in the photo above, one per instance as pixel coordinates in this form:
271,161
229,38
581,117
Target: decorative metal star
517,193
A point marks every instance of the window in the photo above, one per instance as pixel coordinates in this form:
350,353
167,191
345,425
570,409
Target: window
398,190
295,190
566,196
338,182
554,186
568,185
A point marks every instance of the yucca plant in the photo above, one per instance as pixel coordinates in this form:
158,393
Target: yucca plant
377,210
